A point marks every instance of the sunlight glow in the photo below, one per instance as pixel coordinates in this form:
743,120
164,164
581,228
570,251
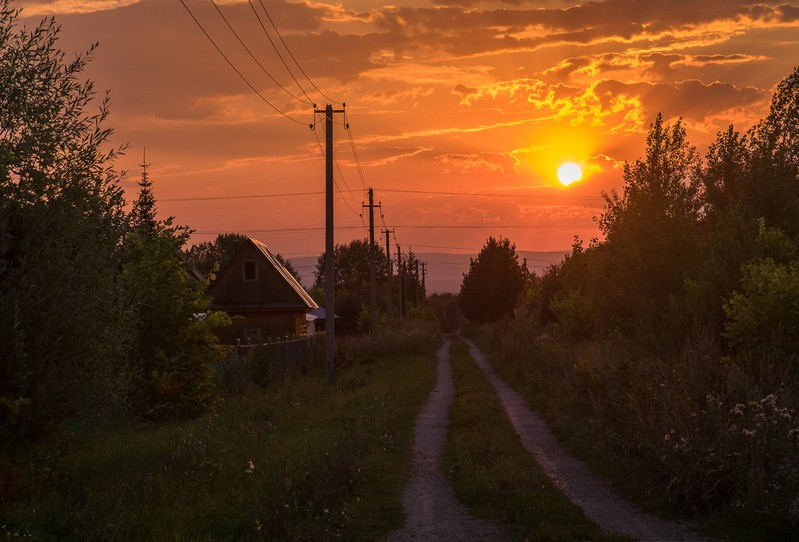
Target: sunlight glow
569,173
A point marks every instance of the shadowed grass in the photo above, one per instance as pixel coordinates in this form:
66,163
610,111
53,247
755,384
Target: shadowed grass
493,474
327,462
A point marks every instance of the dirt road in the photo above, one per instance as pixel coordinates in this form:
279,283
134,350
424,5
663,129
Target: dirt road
433,513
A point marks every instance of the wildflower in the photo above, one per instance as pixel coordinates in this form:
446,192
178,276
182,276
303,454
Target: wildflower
748,432
793,434
738,409
250,465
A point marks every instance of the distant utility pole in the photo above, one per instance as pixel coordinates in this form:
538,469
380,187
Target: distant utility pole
400,284
330,277
390,272
372,264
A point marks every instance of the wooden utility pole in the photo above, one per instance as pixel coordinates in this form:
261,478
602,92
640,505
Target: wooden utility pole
390,272
330,277
372,264
400,284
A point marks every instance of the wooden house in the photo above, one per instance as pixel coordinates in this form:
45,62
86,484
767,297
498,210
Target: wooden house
261,296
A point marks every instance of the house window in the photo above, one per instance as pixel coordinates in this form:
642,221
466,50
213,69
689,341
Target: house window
250,270
251,335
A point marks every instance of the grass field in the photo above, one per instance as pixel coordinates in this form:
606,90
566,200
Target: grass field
303,461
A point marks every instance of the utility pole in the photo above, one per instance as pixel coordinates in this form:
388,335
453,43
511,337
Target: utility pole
390,272
372,264
330,277
400,284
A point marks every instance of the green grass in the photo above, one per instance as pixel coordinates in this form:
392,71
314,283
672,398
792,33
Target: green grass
329,462
494,475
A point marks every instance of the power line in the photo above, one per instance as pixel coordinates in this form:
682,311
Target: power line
491,195
250,196
355,154
207,35
292,56
274,46
341,175
494,226
306,101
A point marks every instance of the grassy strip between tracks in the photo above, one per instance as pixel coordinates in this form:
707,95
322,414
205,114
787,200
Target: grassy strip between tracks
493,474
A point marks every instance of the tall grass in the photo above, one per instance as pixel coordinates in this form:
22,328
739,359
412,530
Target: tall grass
492,472
301,460
693,433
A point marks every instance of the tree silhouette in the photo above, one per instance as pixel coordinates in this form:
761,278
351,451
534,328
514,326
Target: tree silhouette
493,284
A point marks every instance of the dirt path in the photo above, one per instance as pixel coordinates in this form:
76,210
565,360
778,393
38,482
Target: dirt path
432,511
600,503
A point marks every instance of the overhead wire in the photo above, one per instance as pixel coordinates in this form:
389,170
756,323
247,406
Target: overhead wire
355,154
338,189
307,100
230,63
292,55
274,46
249,196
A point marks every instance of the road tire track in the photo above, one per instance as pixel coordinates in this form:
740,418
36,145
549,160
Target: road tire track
598,500
432,510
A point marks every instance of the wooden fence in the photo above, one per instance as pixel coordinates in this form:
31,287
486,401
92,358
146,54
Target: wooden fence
269,362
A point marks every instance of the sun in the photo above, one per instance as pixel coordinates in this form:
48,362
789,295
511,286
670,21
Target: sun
569,173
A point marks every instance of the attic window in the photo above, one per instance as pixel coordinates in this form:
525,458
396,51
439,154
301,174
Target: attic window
250,270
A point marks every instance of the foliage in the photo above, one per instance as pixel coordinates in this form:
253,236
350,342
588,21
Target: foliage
170,361
766,314
446,310
493,284
61,221
299,461
211,256
352,281
690,433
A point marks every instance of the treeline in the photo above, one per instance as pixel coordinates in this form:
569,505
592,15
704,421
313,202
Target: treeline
353,290
671,345
99,313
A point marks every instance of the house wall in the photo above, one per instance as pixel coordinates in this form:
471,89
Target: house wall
269,286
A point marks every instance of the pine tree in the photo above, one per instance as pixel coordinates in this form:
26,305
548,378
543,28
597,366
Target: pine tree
170,361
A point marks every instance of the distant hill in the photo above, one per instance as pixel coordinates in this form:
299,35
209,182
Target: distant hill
444,271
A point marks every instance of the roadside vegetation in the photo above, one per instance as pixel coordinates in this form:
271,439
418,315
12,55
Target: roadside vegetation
494,475
666,353
297,459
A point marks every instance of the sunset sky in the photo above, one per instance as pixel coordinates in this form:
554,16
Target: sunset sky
463,97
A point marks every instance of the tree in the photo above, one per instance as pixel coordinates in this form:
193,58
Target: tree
493,284
352,281
61,222
210,256
650,232
169,363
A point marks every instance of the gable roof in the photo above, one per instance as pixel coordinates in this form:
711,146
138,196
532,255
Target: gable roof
270,258
296,286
